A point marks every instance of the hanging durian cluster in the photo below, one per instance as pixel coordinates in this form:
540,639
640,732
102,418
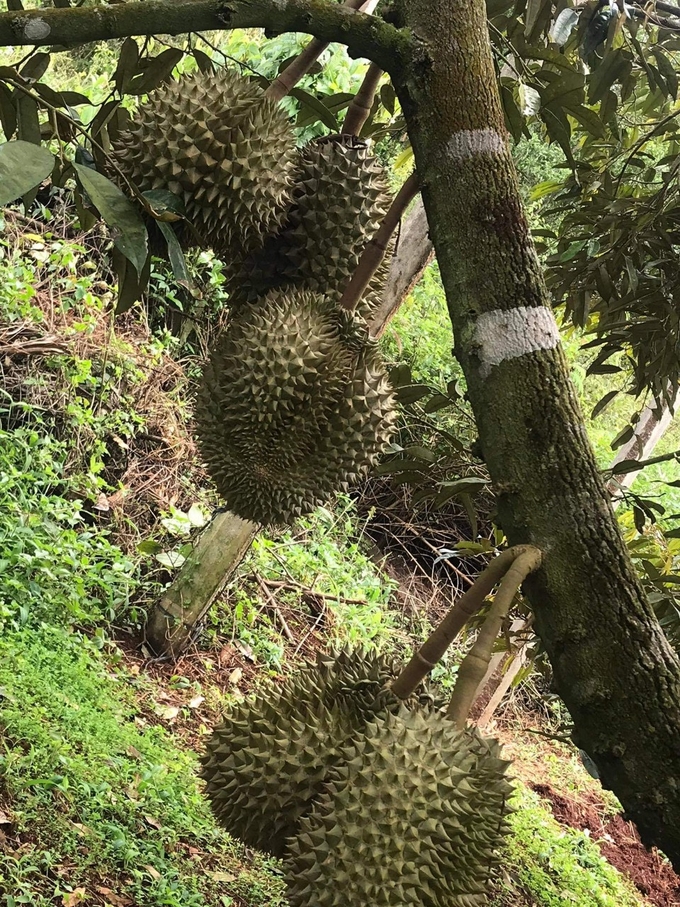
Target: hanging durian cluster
294,402
368,800
223,148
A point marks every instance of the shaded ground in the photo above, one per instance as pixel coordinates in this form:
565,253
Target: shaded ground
619,842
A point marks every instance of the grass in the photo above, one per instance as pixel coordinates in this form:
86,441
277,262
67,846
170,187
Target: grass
548,864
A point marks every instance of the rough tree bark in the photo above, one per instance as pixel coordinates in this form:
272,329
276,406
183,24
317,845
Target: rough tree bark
612,664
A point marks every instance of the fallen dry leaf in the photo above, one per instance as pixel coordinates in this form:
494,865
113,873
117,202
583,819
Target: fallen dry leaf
168,712
75,897
116,900
4,818
235,675
195,702
153,872
154,823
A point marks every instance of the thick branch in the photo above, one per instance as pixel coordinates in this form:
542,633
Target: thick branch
365,36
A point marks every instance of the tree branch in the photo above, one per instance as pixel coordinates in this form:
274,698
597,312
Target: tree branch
364,35
375,249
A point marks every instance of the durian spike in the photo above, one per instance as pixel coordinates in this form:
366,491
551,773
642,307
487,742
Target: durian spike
300,66
473,667
375,249
360,108
457,616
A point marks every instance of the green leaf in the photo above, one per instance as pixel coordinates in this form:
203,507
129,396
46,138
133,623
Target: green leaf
119,213
27,119
131,285
176,255
563,26
8,113
437,402
149,547
165,205
626,466
128,62
322,112
411,393
203,61
402,465
468,484
35,67
421,453
388,98
613,68
602,404
158,70
23,166
533,12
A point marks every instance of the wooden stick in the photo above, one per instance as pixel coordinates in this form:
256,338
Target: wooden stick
360,108
375,249
474,665
458,615
301,65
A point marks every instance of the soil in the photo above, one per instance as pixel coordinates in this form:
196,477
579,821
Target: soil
619,842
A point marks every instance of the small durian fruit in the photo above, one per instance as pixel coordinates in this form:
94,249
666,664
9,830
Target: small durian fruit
267,760
294,403
413,813
223,148
339,200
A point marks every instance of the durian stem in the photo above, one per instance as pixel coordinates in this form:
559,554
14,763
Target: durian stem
473,667
375,249
458,615
301,65
360,108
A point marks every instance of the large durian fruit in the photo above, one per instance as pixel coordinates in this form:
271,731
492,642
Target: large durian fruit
414,812
339,200
294,403
223,148
266,762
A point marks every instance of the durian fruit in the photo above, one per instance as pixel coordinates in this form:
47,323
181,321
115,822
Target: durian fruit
294,403
339,200
224,148
413,812
267,760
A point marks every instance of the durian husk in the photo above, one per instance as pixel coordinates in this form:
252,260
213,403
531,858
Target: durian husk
267,761
294,404
340,197
221,146
414,812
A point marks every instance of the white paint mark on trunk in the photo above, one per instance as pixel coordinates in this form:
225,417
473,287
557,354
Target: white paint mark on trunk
36,29
470,142
506,334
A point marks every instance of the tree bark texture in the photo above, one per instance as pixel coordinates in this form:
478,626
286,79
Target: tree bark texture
219,550
365,35
612,664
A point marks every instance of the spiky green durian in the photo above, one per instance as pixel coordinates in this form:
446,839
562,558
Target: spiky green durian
267,760
339,200
412,813
294,403
224,148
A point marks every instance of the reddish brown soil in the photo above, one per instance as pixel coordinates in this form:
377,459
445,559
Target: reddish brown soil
619,842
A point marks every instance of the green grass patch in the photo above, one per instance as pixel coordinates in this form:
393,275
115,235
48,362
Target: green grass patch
557,866
99,799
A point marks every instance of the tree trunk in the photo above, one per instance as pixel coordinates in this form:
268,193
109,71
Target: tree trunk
612,665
